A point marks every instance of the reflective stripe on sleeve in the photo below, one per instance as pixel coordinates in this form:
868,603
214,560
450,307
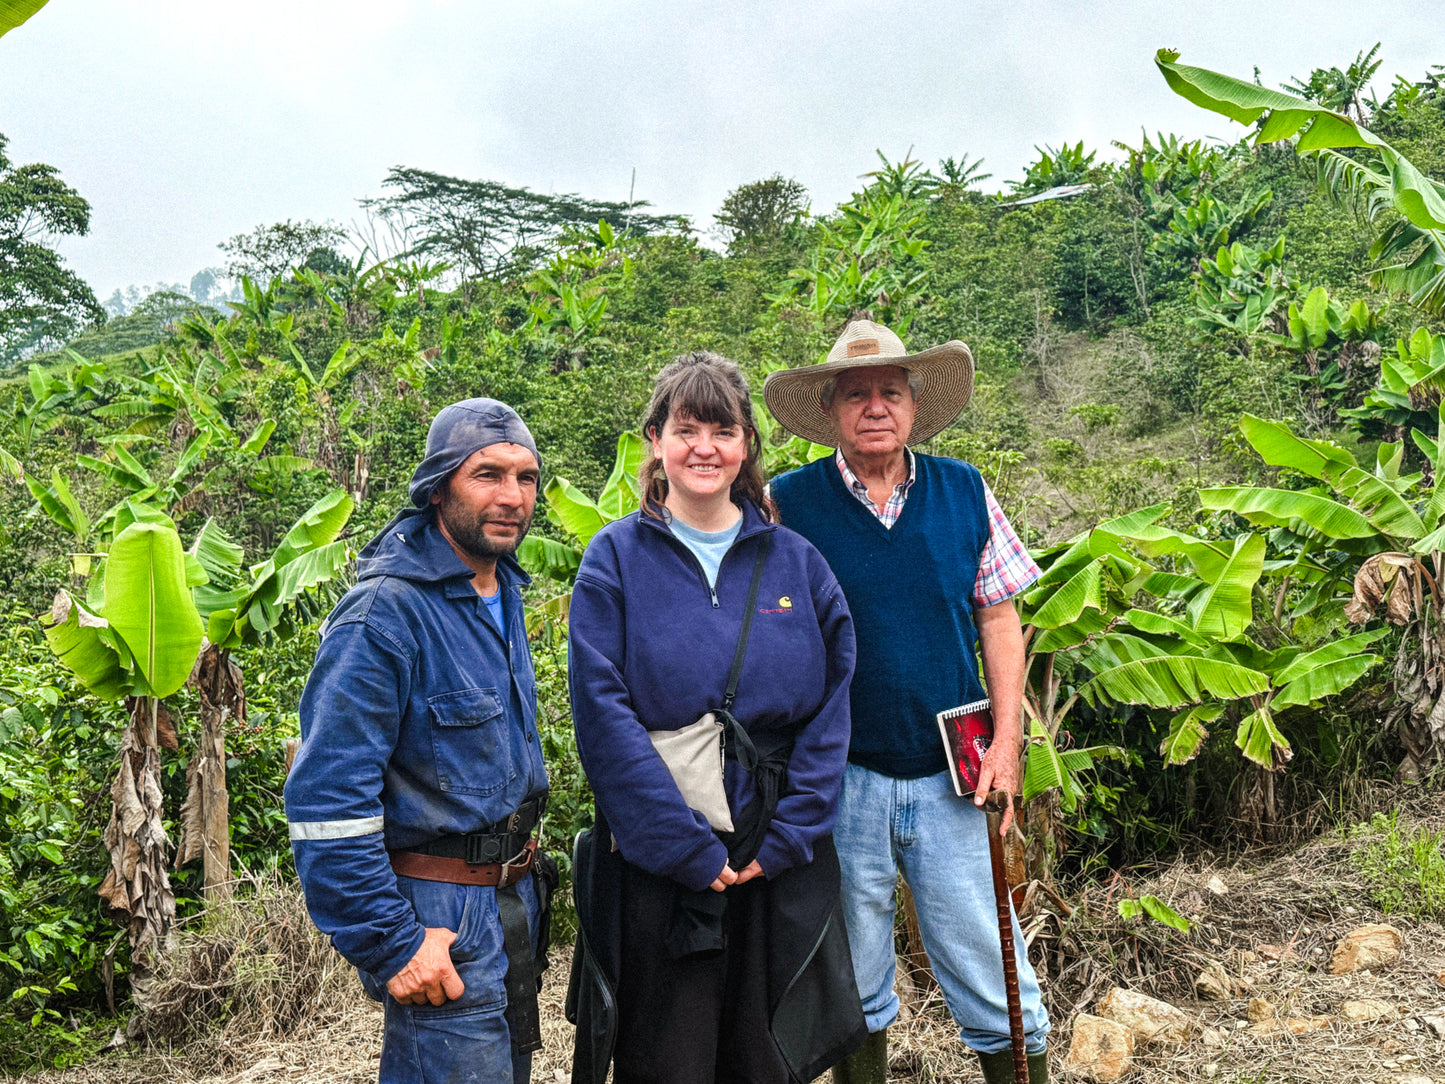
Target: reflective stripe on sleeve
360,826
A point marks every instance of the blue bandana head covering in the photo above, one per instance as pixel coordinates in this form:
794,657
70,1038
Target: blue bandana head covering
456,432
459,430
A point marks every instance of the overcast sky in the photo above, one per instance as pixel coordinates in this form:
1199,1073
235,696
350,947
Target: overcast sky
185,122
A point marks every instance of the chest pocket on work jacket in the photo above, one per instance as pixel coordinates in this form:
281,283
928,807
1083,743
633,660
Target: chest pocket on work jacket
469,742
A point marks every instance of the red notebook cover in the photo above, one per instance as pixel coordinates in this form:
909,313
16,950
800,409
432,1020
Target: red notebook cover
967,732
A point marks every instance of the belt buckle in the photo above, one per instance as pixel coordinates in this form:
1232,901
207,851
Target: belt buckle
483,849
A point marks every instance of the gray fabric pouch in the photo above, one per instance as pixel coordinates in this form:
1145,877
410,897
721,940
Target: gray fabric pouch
694,756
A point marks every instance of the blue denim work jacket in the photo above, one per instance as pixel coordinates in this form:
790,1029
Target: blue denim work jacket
419,720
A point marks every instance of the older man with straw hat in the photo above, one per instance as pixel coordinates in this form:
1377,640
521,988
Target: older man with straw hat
928,564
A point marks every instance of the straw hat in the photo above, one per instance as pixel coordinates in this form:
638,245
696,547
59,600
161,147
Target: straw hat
795,395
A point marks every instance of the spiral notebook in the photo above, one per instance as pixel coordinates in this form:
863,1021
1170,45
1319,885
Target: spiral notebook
967,732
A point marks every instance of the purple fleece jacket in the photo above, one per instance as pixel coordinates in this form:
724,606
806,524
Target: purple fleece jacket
651,650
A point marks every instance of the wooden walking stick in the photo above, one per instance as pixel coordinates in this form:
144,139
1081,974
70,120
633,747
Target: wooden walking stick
994,807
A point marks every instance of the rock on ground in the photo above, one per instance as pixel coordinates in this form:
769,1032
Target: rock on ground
1366,947
1150,1019
1101,1050
1366,1009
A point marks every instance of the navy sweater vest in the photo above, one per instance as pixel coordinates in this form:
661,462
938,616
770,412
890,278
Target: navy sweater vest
910,590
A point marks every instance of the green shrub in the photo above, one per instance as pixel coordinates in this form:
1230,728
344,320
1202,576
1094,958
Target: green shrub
1405,870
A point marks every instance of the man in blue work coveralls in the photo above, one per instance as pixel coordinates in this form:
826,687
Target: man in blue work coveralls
415,796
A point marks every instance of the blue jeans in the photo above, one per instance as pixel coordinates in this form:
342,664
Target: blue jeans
466,1040
940,843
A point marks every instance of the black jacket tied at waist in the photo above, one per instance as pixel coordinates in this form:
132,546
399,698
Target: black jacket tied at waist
813,1006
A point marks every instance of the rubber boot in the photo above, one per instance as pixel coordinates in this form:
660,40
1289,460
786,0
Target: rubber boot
866,1065
999,1068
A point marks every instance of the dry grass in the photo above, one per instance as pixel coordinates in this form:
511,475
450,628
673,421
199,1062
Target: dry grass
257,996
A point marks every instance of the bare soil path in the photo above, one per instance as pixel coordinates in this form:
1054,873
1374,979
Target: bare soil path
1273,930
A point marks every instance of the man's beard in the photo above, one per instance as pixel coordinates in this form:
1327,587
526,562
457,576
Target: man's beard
467,529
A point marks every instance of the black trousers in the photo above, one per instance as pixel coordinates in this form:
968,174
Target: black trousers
701,1019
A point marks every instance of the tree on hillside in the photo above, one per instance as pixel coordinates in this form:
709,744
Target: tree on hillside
755,214
487,229
269,252
42,302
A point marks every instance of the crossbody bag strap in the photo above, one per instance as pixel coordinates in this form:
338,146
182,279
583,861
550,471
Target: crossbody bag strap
743,749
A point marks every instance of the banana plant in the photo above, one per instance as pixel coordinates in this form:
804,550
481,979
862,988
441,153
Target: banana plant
872,257
1412,381
1242,288
1388,182
580,517
135,636
1327,529
1188,649
1380,542
245,607
571,291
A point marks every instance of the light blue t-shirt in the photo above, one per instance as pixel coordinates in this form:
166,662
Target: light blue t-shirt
709,546
494,610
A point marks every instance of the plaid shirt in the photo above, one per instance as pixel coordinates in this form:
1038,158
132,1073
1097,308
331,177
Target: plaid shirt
1004,568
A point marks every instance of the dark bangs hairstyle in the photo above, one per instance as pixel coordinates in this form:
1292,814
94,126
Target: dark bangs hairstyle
705,387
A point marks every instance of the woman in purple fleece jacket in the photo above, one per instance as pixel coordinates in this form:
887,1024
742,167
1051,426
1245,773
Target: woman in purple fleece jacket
706,955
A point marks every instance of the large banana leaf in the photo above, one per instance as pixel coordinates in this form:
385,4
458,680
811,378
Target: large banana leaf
1171,681
60,504
1120,647
1333,651
1059,563
1279,447
1065,605
148,604
218,555
1379,501
1124,526
15,12
319,525
126,472
75,635
309,555
1090,623
1208,559
572,510
1048,768
548,557
1044,768
1288,508
1158,624
1411,193
1226,607
1187,733
622,492
1258,738
1326,679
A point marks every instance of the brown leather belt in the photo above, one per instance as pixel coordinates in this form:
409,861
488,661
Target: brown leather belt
458,871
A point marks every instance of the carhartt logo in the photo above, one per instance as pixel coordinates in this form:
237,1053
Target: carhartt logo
784,606
785,602
860,347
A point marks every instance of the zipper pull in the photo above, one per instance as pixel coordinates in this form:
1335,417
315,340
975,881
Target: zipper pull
712,591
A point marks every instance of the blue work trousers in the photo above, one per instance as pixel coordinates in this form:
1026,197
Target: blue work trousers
940,843
465,1041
